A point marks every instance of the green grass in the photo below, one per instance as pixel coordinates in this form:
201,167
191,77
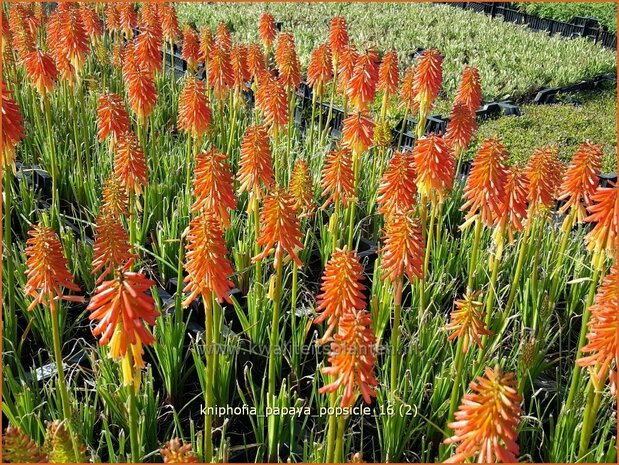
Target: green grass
513,61
605,13
563,123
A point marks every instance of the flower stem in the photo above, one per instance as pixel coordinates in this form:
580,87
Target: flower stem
8,197
455,391
395,336
339,441
594,398
273,443
133,425
331,429
208,393
474,255
518,272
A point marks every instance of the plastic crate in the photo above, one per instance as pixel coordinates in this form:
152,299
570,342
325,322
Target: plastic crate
435,124
509,108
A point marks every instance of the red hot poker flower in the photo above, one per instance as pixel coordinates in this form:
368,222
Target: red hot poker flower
280,231
148,47
388,74
194,113
267,30
272,100
337,178
581,179
544,176
129,164
403,250
255,61
142,92
319,70
240,71
469,90
112,17
408,92
212,185
435,167
338,37
428,79
468,321
12,127
342,290
362,84
460,129
302,188
111,249
220,72
352,359
603,213
112,117
73,39
206,263
223,36
513,209
191,47
346,67
169,23
175,451
207,42
41,70
485,186
115,200
91,21
287,61
486,423
128,18
46,269
358,132
124,309
397,189
255,163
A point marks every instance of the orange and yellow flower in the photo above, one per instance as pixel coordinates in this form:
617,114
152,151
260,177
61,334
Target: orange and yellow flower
287,61
194,112
256,163
18,447
112,17
460,129
362,84
468,321
352,359
435,167
46,269
341,290
272,101
603,213
73,38
130,164
175,451
485,186
191,47
112,117
115,200
279,231
581,179
388,74
111,249
142,92
346,67
358,132
207,267
148,47
397,188
302,188
338,37
428,79
127,18
223,36
544,174
240,71
408,92
220,71
337,180
255,61
402,252
513,209
320,69
91,22
267,30
469,89
486,423
41,70
12,127
169,23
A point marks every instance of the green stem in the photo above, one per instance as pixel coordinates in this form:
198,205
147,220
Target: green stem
8,196
339,441
430,238
293,313
519,264
311,128
455,392
474,254
594,398
256,215
208,393
352,209
395,337
402,130
272,395
331,429
52,161
133,426
566,228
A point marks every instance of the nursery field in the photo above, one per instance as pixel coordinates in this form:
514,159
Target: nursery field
219,246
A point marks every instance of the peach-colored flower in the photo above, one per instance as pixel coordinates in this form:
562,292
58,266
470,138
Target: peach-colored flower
46,269
460,129
485,186
112,117
267,30
408,92
341,290
12,127
18,447
603,213
397,188
362,84
279,228
142,92
302,188
191,47
353,358
127,18
346,67
115,200
220,71
240,71
175,451
223,36
544,174
338,37
513,209
212,185
194,113
272,101
111,250
486,423
207,267
287,61
428,79
581,179
402,252
435,167
319,70
130,164
468,321
337,181
469,89
255,61
388,74
112,17
169,23
358,131
256,163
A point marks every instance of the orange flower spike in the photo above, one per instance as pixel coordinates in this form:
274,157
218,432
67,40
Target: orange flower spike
358,131
428,79
337,178
486,423
267,30
148,47
112,117
435,167
346,67
223,37
513,209
388,74
544,177
73,38
256,162
127,18
23,38
353,359
177,452
240,71
272,99
206,264
111,248
338,37
112,17
124,310
603,213
18,447
129,164
117,55
169,23
287,61
302,188
581,179
469,89
220,72
191,47
397,189
46,269
460,129
212,185
12,127
319,70
403,250
362,84
408,92
91,22
600,352
194,113
468,321
207,42
142,91
279,231
341,290
255,61
485,186
115,200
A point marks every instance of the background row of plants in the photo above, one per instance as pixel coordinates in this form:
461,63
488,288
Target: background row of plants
534,314
604,12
